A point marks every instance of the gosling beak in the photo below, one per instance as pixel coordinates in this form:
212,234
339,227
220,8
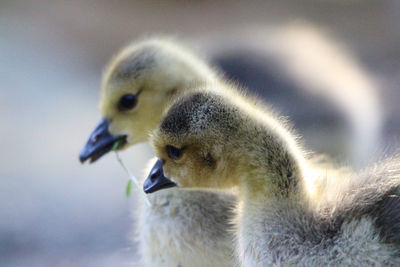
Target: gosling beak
156,179
100,142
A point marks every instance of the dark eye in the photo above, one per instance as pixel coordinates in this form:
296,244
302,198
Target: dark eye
127,102
173,152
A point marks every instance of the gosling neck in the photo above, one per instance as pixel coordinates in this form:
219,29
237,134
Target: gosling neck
271,167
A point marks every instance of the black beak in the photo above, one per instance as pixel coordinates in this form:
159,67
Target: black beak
156,179
100,143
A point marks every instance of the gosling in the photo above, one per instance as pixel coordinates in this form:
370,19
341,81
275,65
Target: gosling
212,139
181,228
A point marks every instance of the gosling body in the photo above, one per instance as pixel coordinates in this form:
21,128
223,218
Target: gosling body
187,228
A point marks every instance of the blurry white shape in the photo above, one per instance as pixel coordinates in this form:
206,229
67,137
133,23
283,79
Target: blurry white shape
333,73
320,67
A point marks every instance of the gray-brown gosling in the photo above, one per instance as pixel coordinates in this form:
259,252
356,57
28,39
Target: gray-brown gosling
181,228
215,138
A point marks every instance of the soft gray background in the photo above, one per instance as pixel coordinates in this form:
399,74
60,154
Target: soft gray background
56,212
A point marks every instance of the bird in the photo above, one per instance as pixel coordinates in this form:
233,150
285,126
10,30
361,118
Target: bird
181,228
288,213
139,83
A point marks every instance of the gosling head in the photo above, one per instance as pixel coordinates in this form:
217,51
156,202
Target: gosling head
195,144
211,139
137,85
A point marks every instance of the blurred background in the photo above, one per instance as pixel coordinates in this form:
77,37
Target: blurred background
332,66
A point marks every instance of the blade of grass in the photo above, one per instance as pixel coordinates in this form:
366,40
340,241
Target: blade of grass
131,177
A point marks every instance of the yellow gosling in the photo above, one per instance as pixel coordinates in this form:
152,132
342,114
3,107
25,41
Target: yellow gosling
181,228
218,138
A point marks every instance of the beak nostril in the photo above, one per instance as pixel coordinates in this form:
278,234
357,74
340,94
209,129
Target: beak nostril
96,137
155,174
